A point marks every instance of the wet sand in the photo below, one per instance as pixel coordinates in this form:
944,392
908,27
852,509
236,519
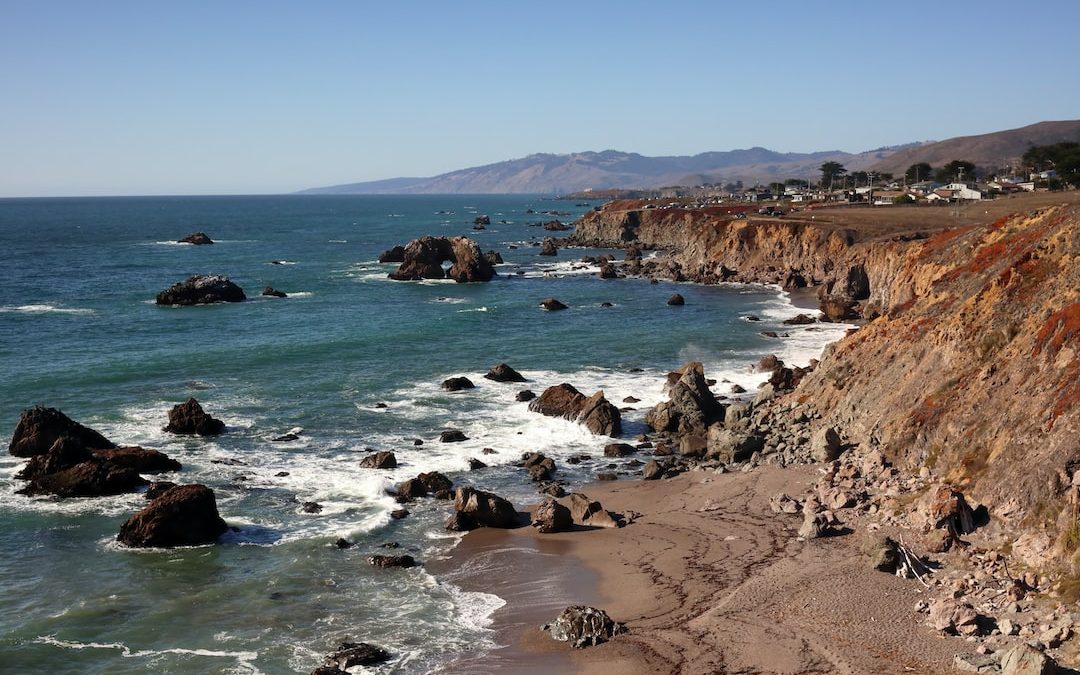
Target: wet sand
707,579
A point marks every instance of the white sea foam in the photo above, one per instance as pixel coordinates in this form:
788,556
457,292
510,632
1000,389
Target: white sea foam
448,300
474,309
474,609
243,658
44,309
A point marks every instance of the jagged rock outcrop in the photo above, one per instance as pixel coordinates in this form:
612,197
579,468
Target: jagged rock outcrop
379,460
598,414
185,515
970,366
190,418
691,407
423,258
350,655
39,428
201,289
551,516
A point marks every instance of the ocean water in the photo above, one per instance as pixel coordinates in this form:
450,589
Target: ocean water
352,359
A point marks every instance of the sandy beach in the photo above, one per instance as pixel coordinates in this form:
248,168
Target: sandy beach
707,579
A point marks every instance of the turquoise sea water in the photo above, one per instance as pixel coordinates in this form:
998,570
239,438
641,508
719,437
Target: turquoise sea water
79,331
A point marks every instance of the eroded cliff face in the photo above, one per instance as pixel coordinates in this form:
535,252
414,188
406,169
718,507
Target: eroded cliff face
970,365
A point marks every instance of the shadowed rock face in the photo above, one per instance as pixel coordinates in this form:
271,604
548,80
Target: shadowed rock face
201,290
185,515
423,258
39,428
197,238
190,418
598,414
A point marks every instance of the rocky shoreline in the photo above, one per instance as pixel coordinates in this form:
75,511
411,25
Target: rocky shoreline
983,570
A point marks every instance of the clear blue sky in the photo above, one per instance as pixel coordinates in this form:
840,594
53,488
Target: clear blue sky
149,97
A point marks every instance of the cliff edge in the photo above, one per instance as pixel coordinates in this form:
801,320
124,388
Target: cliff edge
968,363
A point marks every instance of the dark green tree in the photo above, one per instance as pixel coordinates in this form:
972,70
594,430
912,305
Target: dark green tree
777,189
1064,158
860,178
830,172
919,172
956,170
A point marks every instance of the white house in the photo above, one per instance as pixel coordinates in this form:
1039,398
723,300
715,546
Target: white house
963,191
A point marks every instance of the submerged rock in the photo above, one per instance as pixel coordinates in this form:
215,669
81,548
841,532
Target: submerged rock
196,238
272,292
351,654
391,561
185,515
552,305
201,289
583,626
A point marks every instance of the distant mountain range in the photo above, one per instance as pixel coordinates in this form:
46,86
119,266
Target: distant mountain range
559,174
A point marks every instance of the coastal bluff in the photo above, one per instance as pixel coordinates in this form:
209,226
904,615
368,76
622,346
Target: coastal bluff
968,362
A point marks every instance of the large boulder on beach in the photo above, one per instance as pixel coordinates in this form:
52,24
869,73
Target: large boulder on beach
691,407
595,412
583,626
729,447
190,418
551,516
423,258
484,508
504,373
202,289
185,515
39,428
585,511
196,238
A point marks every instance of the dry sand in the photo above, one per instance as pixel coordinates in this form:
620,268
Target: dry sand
707,579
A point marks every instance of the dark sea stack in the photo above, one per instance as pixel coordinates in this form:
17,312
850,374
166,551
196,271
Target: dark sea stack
196,238
394,255
379,460
189,418
201,290
600,416
39,428
552,305
800,320
607,271
352,654
676,300
548,248
452,436
458,384
482,220
423,259
143,460
272,292
485,508
494,258
92,478
618,450
525,395
185,515
504,373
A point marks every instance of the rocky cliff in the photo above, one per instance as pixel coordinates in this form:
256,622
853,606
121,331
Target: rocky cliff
968,365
